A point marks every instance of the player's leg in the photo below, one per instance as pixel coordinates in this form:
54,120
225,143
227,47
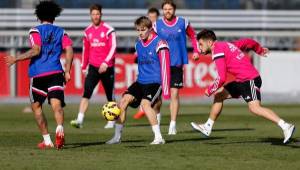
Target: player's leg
151,115
176,84
157,107
253,97
215,111
90,83
56,99
131,97
38,94
108,81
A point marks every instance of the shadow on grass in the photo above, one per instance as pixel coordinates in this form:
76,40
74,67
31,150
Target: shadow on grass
87,144
222,130
144,125
294,143
193,139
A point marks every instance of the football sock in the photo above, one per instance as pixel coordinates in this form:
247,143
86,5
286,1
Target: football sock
209,123
281,123
118,130
173,123
158,117
59,129
47,139
156,131
80,117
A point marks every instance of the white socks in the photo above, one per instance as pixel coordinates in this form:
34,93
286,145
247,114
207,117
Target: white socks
59,129
282,124
47,139
158,117
118,131
80,117
156,131
172,124
209,124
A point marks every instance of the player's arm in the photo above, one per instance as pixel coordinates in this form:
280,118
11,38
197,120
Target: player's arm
247,44
192,36
164,58
112,45
85,53
221,78
35,42
67,46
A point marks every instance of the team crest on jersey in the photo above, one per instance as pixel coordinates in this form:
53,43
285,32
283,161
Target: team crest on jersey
102,34
179,30
150,53
90,35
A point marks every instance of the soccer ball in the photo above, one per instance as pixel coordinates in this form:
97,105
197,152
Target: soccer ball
111,111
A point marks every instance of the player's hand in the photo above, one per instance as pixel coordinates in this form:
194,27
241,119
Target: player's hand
195,56
103,68
85,72
206,93
67,77
10,60
265,52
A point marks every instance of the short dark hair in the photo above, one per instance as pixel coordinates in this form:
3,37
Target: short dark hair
96,7
170,2
143,21
47,10
153,10
206,34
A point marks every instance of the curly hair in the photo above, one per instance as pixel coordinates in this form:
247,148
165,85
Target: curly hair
47,11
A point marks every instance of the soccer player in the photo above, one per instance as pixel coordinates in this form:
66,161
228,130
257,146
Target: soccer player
174,29
99,47
46,74
230,59
153,15
153,79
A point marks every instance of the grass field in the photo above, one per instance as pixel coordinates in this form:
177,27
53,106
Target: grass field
239,141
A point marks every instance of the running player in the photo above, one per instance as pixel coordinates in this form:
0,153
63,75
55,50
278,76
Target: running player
153,78
174,29
46,74
98,57
230,59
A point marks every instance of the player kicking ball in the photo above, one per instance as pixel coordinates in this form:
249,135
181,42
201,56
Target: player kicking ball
230,59
153,79
47,77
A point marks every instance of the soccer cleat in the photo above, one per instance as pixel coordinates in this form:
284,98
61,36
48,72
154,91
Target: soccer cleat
201,128
59,140
139,114
76,124
288,133
172,130
114,140
43,145
109,125
158,142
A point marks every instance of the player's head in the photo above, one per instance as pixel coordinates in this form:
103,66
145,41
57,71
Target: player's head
206,38
96,13
153,14
143,26
47,11
168,7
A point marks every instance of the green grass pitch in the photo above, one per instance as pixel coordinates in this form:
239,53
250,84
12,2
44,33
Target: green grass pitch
239,141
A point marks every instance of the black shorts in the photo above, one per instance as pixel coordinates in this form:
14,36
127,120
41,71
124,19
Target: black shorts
151,92
51,86
249,90
176,77
93,77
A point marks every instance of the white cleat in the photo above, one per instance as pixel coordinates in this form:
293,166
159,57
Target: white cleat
158,142
288,133
172,131
109,125
114,141
201,128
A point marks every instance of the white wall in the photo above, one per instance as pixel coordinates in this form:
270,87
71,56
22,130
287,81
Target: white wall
280,73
